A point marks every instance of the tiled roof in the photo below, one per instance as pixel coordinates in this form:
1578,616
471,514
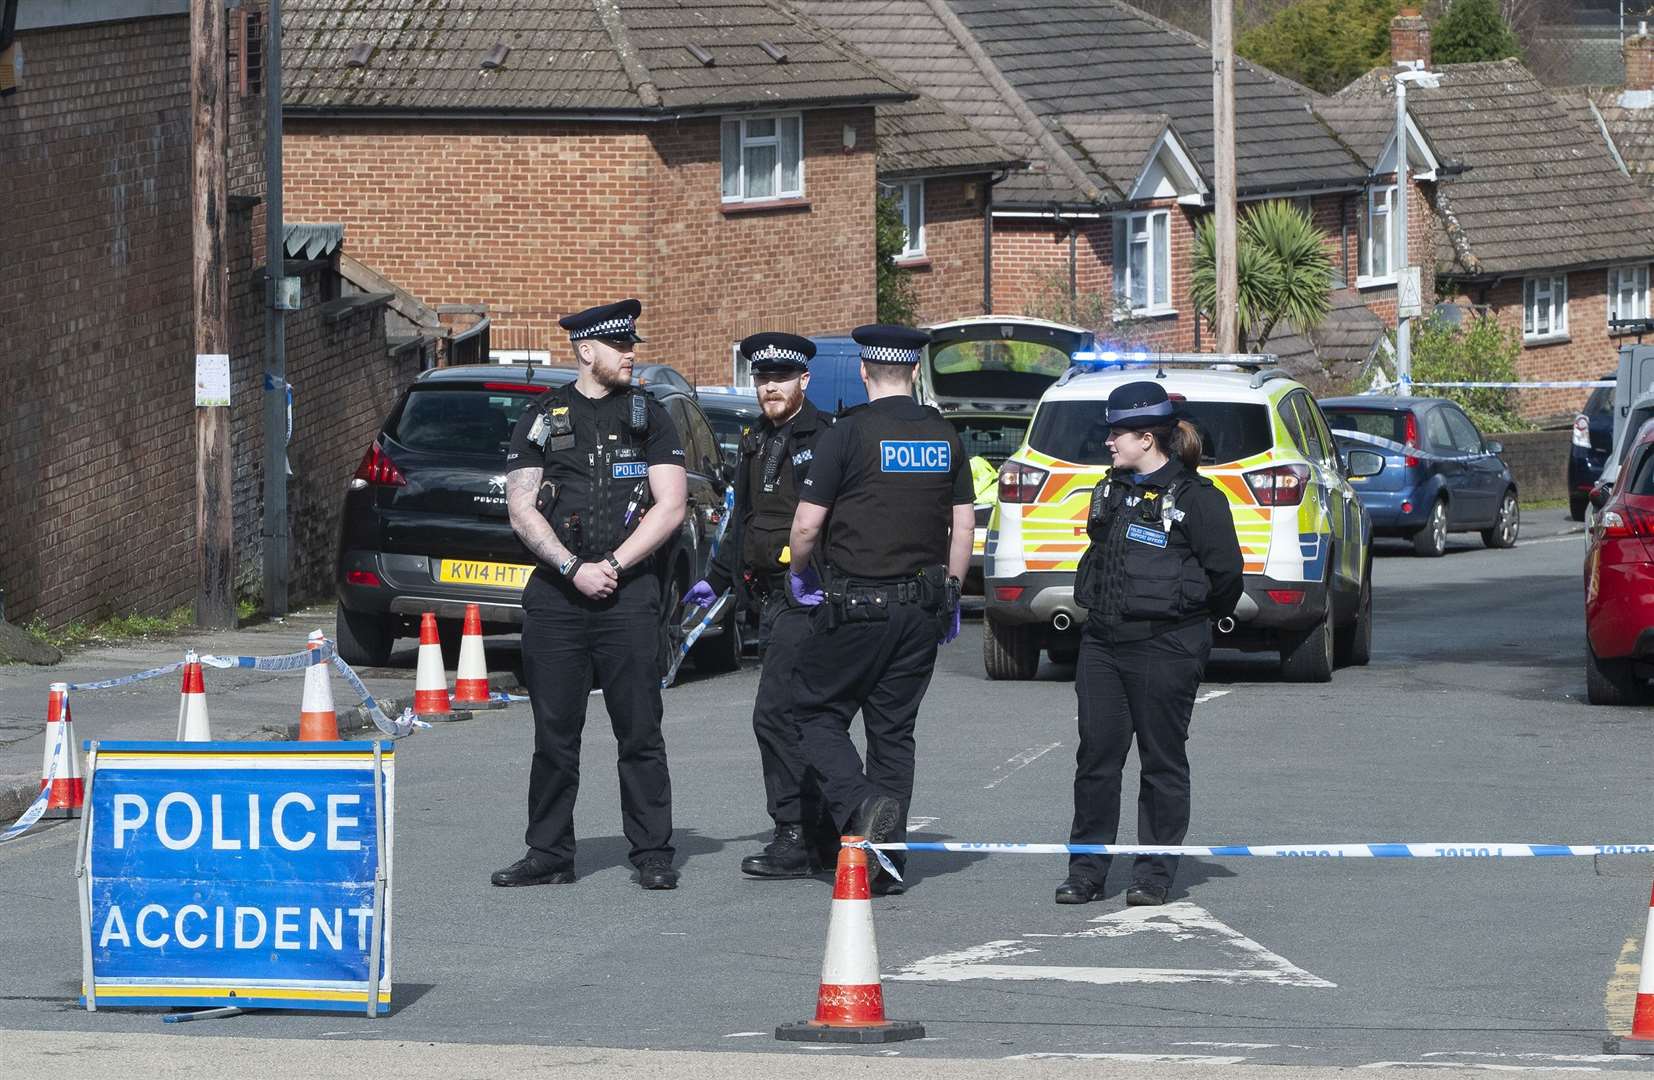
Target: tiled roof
1632,129
922,136
1331,354
1117,143
573,56
1538,190
1365,124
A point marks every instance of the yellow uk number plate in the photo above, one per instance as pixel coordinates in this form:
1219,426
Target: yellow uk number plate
492,575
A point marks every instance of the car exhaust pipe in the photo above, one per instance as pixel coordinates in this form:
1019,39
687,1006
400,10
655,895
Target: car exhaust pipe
1226,625
1061,621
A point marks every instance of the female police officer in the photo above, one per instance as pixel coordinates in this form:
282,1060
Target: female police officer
1163,564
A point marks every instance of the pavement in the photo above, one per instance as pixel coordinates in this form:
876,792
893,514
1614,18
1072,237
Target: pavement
1469,727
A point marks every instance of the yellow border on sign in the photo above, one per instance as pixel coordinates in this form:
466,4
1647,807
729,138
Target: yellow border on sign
105,755
295,993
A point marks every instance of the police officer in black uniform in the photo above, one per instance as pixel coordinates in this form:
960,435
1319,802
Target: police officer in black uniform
776,454
894,478
1163,565
595,484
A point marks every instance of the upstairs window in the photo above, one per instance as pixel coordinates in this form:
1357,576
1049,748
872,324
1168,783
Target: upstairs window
763,158
1378,234
1628,292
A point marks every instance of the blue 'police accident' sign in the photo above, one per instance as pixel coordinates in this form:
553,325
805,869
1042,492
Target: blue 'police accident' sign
250,874
914,455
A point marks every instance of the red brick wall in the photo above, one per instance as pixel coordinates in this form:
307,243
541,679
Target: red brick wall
949,278
536,220
97,418
1639,63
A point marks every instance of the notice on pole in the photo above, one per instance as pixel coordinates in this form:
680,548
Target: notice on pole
255,875
212,379
1409,293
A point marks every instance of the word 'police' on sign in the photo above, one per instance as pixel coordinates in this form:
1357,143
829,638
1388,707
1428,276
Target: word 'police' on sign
255,875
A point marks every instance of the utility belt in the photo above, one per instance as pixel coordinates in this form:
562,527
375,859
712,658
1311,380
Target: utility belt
851,599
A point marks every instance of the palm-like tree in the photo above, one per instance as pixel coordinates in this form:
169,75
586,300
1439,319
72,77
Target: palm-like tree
1284,271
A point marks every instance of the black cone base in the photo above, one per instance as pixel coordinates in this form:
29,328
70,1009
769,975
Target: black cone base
887,1032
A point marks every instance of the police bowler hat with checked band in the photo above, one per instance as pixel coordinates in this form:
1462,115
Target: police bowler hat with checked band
1139,406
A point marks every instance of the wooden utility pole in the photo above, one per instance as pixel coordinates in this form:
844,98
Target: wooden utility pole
1223,169
214,600
275,330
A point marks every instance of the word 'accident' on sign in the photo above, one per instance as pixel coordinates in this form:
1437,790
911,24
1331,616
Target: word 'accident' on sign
234,874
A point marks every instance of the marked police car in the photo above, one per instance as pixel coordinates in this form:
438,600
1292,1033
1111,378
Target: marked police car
1304,535
425,525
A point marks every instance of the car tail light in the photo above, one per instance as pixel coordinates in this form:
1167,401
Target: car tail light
1282,485
517,388
1286,597
363,577
1624,523
1410,437
377,468
1019,483
1009,594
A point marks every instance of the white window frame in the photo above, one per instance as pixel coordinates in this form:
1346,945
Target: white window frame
1617,290
1385,194
1552,291
1154,258
910,197
519,356
740,125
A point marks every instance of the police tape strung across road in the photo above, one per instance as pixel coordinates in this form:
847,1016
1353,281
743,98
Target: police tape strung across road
1565,384
716,609
32,814
1390,446
1337,851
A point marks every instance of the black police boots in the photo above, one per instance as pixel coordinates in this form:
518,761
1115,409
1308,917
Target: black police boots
878,818
786,856
656,872
1079,890
1147,894
534,869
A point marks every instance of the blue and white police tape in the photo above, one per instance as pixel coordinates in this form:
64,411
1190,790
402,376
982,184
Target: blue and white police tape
127,680
713,613
884,860
723,524
1453,850
1559,384
1389,446
38,807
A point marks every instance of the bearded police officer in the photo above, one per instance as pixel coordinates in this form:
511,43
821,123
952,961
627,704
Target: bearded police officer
776,455
1162,566
595,484
894,478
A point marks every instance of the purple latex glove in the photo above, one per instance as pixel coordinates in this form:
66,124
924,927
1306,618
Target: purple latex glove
806,587
953,626
700,594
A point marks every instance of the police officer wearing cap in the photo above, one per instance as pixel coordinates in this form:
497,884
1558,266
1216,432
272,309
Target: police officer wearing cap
776,455
891,487
595,484
1163,565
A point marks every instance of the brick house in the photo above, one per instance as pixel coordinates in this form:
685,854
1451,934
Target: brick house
1532,218
719,162
97,421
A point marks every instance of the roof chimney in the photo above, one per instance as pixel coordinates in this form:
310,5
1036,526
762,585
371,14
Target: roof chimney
1639,59
1410,38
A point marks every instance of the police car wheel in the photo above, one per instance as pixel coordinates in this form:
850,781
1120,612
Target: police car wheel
1307,655
1353,644
364,639
1009,650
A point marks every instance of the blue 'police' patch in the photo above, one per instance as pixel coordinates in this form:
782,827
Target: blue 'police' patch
915,455
630,470
1145,535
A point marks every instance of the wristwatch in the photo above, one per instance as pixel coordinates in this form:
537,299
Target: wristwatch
612,561
569,566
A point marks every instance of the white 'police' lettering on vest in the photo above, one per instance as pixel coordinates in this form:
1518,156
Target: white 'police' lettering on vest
915,455
630,470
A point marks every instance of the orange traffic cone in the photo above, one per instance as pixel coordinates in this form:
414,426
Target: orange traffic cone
318,722
850,1003
431,680
1641,1039
192,703
471,680
68,790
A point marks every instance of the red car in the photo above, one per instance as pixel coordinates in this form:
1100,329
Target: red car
1619,585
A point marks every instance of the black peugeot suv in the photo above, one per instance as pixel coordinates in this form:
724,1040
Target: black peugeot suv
425,525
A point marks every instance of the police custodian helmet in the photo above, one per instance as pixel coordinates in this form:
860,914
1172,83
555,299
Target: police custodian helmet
1137,406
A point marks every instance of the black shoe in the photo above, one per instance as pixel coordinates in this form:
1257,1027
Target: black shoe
885,885
1146,894
1079,890
534,869
786,856
657,873
878,818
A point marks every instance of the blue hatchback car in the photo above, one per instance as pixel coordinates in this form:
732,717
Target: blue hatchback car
1440,475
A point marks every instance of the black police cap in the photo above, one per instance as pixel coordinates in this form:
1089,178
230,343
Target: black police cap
774,351
884,344
616,322
1139,405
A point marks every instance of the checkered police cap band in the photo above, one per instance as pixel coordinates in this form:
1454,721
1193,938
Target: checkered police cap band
606,328
776,352
885,354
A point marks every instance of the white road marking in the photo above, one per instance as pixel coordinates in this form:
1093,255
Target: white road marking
1027,757
1182,921
915,824
1485,1066
1203,698
1620,1058
1243,1046
1140,1059
745,1034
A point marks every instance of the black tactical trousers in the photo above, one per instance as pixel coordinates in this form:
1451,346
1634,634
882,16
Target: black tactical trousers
566,638
1147,689
792,793
882,668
